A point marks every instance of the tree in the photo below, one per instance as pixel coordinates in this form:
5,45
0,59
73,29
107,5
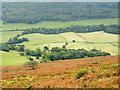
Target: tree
20,49
31,64
11,47
64,46
38,52
73,41
21,54
46,48
27,51
55,49
5,47
31,59
37,57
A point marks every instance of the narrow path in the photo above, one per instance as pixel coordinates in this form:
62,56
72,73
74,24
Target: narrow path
62,37
113,44
84,39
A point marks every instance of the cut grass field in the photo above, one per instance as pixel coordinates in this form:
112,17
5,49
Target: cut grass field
52,24
98,40
12,58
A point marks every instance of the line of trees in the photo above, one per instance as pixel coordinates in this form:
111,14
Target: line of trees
29,12
7,47
114,29
15,40
57,53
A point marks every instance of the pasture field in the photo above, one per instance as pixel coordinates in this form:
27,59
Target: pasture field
52,24
9,34
100,37
12,58
98,40
103,70
36,40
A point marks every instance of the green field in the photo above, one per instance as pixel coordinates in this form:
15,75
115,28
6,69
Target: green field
9,34
98,40
52,24
12,58
39,40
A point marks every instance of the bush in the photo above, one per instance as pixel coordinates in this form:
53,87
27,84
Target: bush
31,59
81,73
95,63
21,54
45,61
31,64
37,57
46,48
86,57
116,66
99,75
64,46
73,41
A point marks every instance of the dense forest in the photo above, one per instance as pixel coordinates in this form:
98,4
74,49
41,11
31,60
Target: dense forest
29,12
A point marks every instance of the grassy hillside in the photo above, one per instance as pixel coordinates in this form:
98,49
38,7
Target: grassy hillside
12,58
51,24
98,40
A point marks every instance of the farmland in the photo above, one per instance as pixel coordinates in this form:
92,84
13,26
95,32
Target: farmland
61,74
98,40
57,24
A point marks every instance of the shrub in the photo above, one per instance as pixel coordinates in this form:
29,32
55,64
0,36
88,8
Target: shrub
81,73
37,57
86,57
99,75
95,63
114,73
21,54
116,66
73,41
31,64
64,46
46,48
31,59
105,66
45,61
107,73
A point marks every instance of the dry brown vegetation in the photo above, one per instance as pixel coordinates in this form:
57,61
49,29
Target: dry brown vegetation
103,72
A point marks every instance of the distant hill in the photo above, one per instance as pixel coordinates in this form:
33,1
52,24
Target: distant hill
31,13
